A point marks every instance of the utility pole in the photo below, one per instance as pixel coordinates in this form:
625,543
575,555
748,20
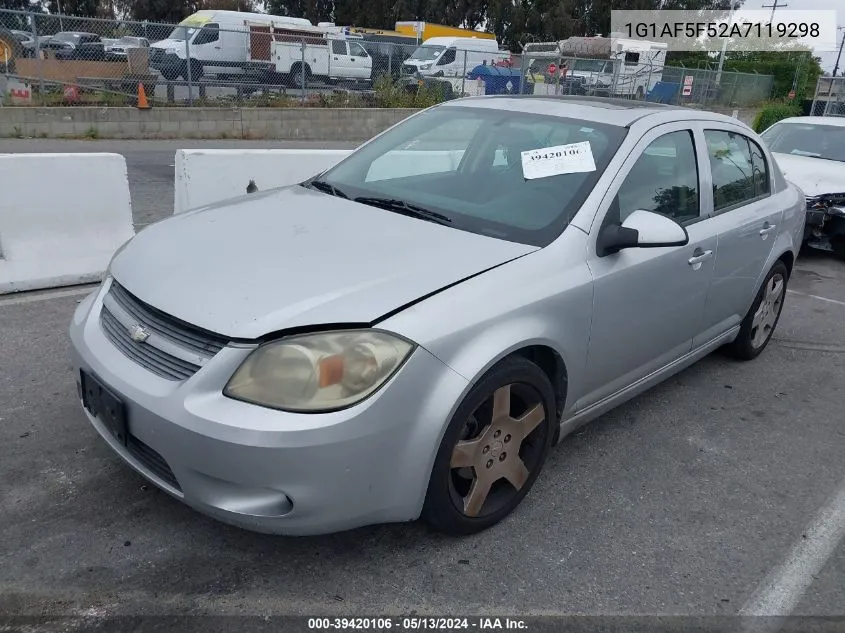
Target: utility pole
836,67
774,7
734,7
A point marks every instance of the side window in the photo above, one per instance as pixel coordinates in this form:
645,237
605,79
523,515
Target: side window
760,168
356,50
448,57
732,168
209,33
632,59
663,180
339,47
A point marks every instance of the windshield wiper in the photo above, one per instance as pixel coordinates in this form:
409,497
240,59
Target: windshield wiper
400,206
322,185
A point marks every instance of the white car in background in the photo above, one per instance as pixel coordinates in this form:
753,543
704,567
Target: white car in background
811,153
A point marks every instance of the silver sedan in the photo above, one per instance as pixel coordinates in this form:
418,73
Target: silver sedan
409,333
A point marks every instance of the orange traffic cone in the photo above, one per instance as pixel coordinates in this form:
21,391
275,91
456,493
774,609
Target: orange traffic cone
143,104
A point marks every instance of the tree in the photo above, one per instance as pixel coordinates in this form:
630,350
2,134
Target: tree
227,5
82,8
167,11
314,10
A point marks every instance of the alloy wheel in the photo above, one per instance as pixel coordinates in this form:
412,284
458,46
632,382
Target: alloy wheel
502,443
768,311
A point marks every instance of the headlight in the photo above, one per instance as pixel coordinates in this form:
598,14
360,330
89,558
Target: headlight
318,372
425,66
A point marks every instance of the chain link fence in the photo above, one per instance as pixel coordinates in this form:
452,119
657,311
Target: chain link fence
582,68
829,99
63,60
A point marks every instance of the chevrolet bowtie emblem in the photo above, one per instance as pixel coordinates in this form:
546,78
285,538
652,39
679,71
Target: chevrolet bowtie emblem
139,333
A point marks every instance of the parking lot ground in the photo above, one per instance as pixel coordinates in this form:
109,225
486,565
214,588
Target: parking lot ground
681,502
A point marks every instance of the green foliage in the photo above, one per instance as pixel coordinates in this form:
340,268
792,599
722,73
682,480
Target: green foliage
773,112
798,68
393,94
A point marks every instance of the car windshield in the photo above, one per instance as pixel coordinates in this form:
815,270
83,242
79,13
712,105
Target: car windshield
427,53
181,33
807,139
131,41
590,65
475,168
67,37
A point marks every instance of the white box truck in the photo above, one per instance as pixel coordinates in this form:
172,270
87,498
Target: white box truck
452,56
214,43
330,58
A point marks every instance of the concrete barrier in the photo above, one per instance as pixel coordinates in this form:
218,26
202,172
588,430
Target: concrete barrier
208,176
62,217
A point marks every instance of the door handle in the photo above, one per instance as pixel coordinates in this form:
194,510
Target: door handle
767,228
699,257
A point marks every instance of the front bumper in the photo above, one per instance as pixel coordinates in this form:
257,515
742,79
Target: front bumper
266,470
167,61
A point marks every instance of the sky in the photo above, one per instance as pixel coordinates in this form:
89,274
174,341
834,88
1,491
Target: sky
828,56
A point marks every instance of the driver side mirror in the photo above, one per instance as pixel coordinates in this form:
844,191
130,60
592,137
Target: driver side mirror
642,229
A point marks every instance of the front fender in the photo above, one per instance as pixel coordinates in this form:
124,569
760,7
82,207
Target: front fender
544,298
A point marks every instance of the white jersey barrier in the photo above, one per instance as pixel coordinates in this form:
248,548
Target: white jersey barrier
62,217
206,177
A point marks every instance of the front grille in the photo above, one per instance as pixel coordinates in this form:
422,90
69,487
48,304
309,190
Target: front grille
194,341
152,359
151,460
178,332
408,69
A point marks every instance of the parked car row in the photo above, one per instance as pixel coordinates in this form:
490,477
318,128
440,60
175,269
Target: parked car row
77,45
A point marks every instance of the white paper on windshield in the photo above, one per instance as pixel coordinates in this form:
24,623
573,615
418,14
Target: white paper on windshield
561,159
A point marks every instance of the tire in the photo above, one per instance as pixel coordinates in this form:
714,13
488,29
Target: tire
171,74
457,501
765,312
296,75
197,71
10,49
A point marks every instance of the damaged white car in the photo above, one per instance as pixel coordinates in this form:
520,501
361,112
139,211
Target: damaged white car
811,153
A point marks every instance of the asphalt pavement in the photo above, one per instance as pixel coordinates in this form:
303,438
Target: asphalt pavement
721,491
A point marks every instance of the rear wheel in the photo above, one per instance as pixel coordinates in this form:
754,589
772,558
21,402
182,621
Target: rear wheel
299,77
762,319
493,449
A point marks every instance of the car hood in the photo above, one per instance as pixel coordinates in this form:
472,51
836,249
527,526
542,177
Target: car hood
814,176
296,257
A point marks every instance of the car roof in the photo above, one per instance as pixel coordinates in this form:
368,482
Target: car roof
816,120
619,112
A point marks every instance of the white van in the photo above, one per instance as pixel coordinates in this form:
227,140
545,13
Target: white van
452,56
216,42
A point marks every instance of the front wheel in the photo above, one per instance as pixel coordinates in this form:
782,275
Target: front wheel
759,324
493,449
